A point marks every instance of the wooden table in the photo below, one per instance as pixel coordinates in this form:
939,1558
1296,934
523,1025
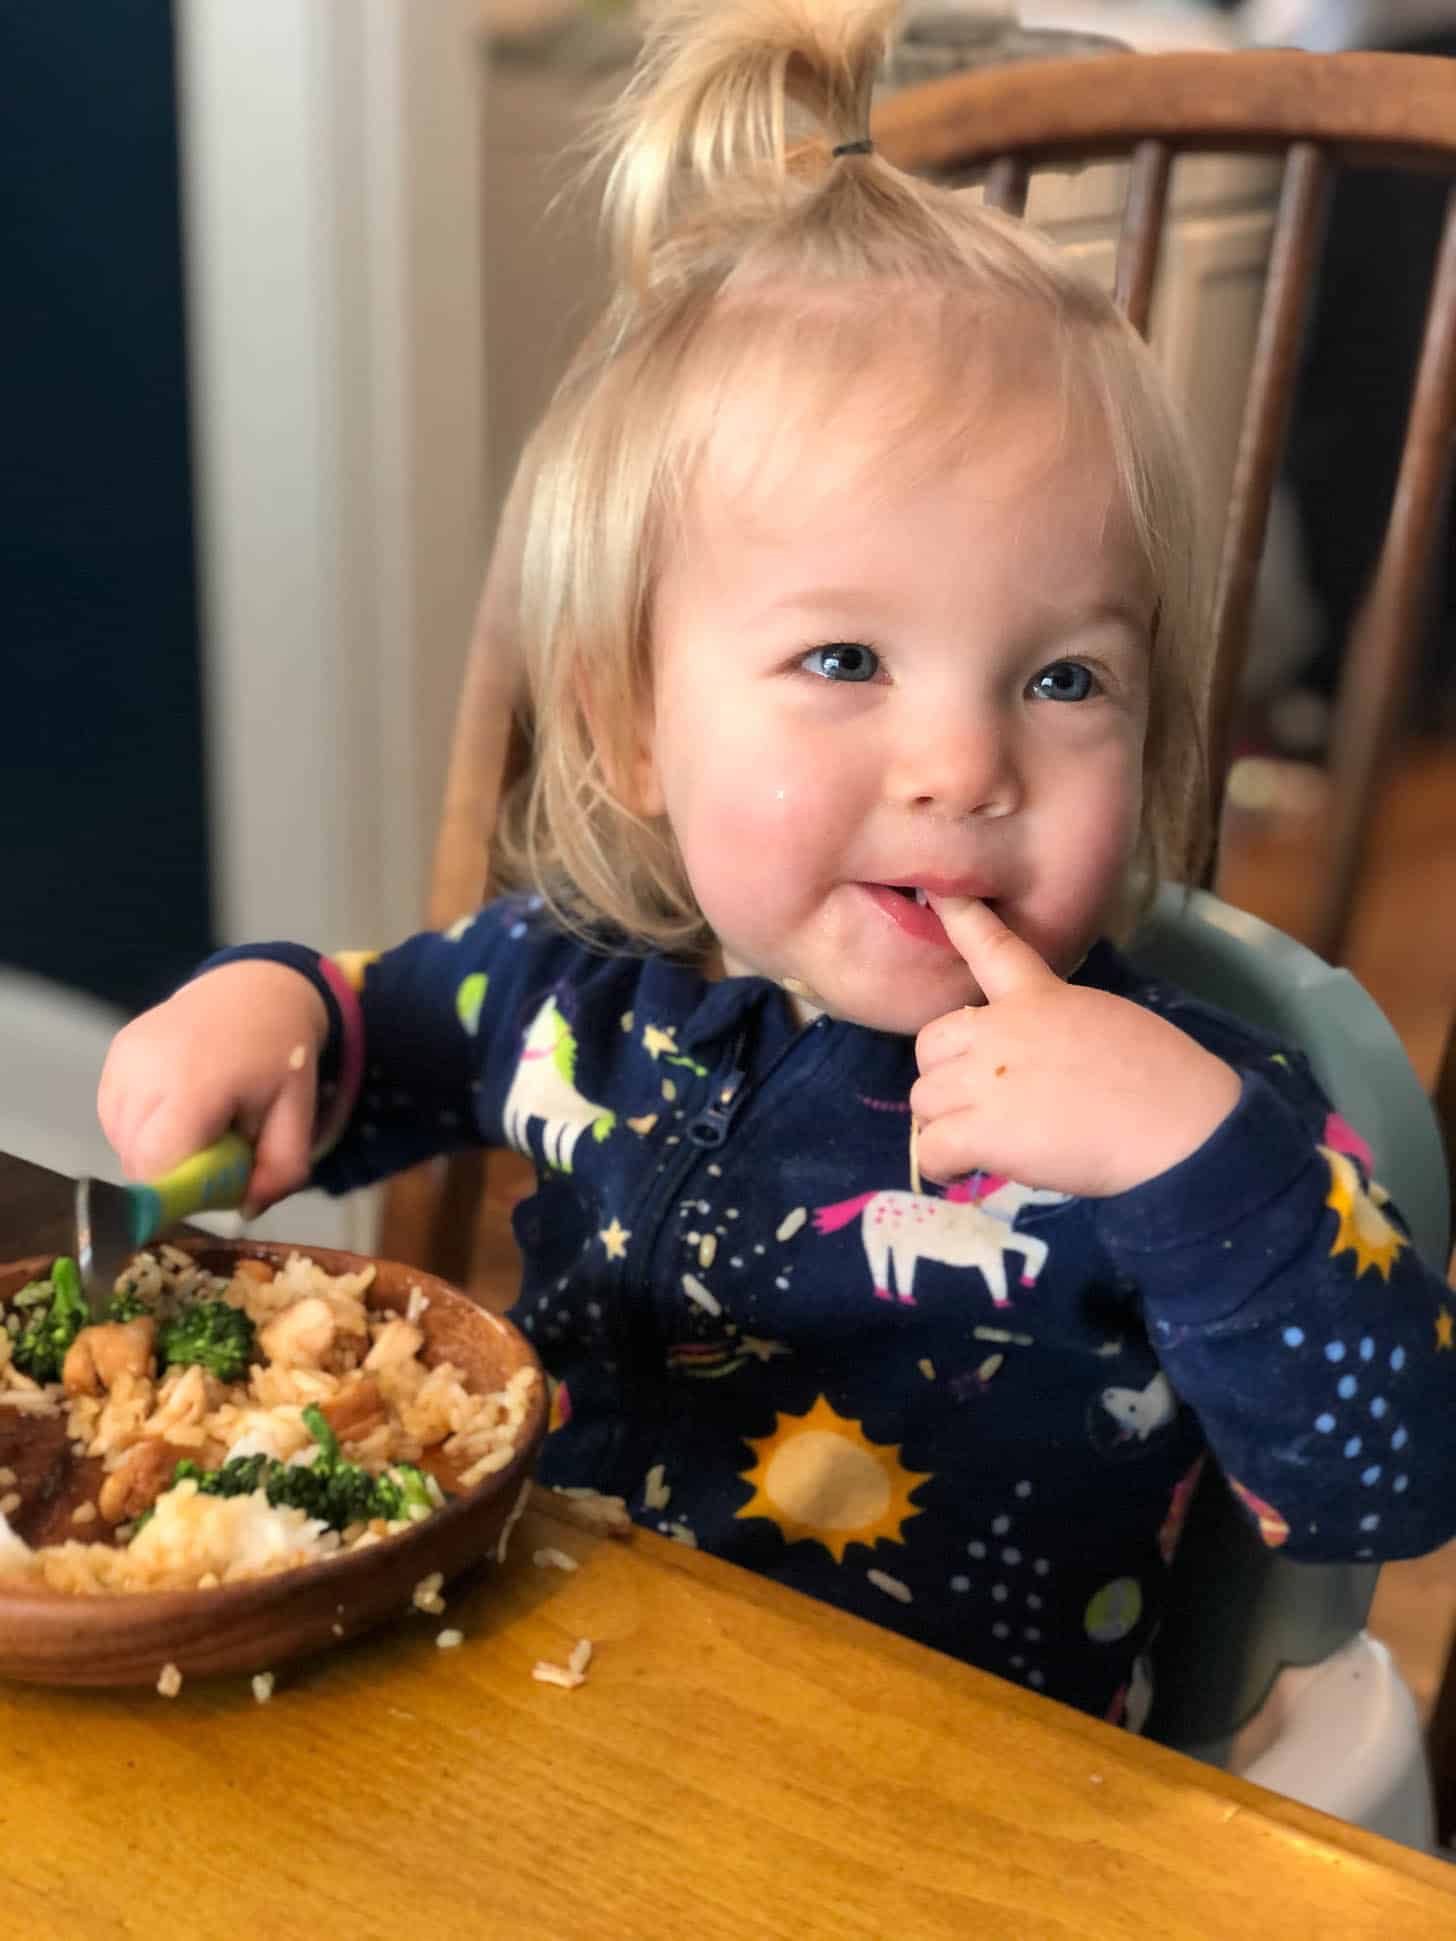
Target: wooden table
740,1762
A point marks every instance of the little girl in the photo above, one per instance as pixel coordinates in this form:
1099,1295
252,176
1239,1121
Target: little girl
863,641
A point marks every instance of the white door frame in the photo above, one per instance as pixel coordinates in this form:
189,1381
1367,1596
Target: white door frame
332,221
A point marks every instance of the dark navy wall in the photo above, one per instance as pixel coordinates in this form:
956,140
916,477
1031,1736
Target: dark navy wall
103,851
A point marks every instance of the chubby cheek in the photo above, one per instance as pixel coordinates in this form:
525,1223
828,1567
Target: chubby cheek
1084,874
753,847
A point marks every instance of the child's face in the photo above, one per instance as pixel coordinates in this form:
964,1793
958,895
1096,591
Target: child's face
936,678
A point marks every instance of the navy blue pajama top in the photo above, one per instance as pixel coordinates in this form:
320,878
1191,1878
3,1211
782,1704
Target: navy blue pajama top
972,1415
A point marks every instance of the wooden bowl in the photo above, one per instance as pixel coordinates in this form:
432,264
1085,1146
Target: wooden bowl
57,1638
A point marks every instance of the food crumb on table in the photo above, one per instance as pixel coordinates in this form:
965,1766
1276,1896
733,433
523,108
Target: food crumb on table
552,1559
569,1675
448,1640
169,1681
606,1513
427,1596
263,1687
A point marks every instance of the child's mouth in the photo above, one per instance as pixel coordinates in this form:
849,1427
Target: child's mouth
908,907
916,893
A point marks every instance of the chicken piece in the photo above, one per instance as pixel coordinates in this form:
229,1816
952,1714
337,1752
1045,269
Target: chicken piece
396,1342
111,1348
261,1271
141,1476
356,1411
301,1336
184,1400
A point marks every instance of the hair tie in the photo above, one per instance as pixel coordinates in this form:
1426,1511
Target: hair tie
862,147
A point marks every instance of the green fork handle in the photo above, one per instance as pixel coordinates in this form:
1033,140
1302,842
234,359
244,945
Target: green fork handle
211,1181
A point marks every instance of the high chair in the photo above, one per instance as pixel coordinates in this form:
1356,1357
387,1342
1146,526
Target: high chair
1264,1663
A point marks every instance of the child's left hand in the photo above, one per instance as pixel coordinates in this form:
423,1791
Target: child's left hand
1056,1084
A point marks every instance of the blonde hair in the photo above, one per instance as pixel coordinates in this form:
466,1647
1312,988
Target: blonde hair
728,227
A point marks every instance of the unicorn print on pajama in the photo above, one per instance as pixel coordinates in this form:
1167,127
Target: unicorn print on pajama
971,1227
543,1089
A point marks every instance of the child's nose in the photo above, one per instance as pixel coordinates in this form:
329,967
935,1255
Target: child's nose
958,761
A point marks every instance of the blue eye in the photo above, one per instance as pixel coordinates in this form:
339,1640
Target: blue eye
1064,680
843,660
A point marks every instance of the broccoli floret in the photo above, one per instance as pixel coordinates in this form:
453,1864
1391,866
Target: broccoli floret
238,1476
351,1495
126,1305
211,1333
55,1312
403,1490
337,1492
330,1455
334,1491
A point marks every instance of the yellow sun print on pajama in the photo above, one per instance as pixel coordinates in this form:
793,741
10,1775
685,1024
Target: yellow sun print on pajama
821,1480
1363,1229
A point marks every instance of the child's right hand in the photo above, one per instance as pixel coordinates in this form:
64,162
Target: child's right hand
223,1052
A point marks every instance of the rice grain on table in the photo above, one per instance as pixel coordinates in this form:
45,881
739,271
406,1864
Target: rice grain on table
426,1595
169,1681
550,1558
263,1687
608,1514
449,1640
548,1674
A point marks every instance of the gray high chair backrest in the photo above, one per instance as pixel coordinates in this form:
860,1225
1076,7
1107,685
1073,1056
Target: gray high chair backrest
1239,1612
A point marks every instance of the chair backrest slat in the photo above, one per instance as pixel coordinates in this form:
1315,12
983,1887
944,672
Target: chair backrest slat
1293,254
1140,243
1007,181
1387,635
